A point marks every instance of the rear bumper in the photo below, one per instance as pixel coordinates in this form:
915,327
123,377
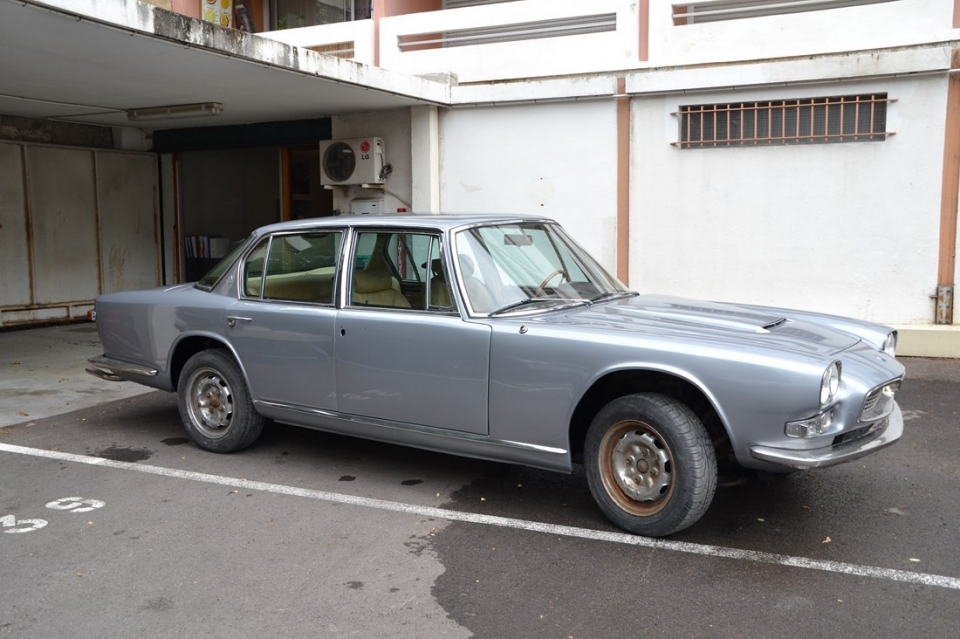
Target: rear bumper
886,432
115,370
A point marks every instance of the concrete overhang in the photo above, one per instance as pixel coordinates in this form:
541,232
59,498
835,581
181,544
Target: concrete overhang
89,61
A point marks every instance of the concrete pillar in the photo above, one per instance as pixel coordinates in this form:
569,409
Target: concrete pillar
425,159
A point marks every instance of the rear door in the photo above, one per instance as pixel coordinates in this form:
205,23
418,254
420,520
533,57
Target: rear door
283,324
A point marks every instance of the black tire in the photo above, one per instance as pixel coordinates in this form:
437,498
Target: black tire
215,404
650,464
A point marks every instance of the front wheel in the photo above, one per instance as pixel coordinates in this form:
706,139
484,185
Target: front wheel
215,404
650,464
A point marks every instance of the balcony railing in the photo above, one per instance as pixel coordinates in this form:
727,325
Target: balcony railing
353,40
698,12
531,38
719,31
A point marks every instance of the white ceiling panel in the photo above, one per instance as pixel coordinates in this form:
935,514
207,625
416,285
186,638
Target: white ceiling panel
56,63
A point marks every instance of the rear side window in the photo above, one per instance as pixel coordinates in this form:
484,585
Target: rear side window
296,267
208,281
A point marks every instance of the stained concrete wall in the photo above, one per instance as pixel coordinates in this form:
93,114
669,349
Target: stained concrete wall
74,223
18,129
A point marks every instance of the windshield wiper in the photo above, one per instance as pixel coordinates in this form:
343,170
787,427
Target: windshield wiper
613,295
518,304
535,300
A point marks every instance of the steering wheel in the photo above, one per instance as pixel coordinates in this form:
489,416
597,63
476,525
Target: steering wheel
546,280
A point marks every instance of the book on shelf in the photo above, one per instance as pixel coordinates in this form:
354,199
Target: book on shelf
206,246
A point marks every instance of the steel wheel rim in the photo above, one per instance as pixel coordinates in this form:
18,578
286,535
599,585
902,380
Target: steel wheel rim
637,468
210,403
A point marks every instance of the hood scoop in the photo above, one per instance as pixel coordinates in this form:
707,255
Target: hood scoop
775,323
705,314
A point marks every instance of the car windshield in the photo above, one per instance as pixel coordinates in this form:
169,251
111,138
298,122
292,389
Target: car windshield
208,281
529,266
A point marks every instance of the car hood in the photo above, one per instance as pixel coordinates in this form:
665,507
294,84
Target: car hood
661,316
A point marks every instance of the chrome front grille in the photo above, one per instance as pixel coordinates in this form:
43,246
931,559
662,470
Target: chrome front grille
871,400
879,402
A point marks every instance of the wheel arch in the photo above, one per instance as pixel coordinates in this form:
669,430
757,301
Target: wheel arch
189,345
627,381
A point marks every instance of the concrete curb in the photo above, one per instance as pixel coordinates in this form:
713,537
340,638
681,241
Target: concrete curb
929,340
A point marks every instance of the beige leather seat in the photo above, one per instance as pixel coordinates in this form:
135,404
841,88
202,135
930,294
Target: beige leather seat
439,292
439,289
373,286
301,288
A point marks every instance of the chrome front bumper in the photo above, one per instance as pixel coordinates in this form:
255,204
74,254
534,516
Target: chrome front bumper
107,368
885,433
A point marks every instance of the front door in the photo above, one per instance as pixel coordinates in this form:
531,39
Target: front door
404,354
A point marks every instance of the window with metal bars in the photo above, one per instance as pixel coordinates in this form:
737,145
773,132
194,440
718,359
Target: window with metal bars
848,118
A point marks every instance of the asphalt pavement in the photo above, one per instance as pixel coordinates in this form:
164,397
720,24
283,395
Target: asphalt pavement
42,373
114,525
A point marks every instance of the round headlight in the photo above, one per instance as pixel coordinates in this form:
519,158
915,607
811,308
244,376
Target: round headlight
890,344
830,384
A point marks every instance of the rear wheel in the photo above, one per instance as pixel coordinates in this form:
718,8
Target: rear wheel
650,464
215,404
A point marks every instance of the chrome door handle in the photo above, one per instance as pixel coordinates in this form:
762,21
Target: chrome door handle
233,319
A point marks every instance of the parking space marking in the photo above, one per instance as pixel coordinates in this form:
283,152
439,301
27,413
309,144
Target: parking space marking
689,548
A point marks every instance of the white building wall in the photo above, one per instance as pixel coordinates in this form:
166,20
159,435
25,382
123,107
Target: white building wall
557,160
850,228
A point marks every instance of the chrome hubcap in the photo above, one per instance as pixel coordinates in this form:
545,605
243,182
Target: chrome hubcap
641,467
211,405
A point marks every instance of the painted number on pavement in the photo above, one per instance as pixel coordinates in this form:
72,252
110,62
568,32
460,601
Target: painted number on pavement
75,504
11,524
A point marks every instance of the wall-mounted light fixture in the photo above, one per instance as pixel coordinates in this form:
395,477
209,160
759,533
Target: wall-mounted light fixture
175,111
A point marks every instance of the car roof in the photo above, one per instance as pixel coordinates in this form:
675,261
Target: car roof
432,221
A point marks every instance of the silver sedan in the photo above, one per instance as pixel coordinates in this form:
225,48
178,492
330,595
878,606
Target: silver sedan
500,338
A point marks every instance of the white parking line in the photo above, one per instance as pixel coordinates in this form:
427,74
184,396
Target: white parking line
507,522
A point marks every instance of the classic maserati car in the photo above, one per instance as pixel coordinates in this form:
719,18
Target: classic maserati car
500,338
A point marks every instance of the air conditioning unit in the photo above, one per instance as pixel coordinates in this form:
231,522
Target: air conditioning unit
359,161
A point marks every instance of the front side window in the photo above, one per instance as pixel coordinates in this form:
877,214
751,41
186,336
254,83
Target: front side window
296,267
531,265
399,270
